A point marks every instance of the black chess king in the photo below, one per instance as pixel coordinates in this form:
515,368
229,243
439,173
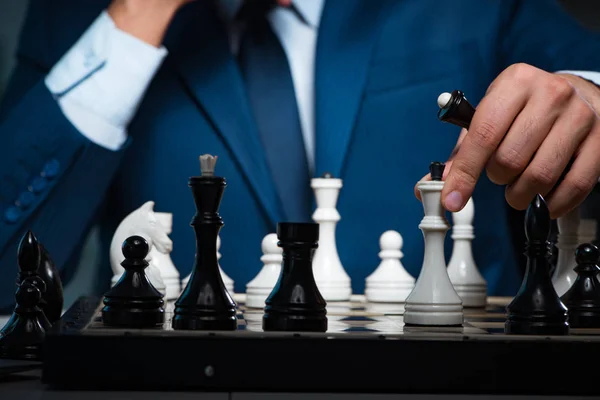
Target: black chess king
205,303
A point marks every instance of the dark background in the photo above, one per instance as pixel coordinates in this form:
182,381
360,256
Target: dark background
12,12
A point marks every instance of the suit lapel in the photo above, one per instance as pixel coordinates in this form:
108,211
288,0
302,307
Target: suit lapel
199,48
348,30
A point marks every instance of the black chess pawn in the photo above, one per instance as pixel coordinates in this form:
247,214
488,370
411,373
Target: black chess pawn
23,335
583,298
133,302
455,109
205,303
537,309
295,304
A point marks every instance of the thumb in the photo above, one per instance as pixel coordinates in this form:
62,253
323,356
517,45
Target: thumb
458,186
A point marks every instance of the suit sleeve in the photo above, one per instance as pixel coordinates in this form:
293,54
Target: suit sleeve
542,33
53,178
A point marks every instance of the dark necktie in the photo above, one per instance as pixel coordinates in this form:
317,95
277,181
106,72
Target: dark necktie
270,89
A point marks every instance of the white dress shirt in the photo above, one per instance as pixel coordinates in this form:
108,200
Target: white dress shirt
100,82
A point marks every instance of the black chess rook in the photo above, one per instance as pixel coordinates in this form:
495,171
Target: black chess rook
537,309
205,303
583,298
296,303
134,302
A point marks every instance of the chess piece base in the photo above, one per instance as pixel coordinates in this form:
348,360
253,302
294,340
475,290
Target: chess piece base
274,321
255,297
25,352
133,313
205,322
584,317
433,314
381,292
335,291
526,326
472,295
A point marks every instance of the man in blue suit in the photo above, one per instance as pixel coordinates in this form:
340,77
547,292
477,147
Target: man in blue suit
111,104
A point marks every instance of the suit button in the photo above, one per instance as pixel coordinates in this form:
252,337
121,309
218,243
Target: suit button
51,169
38,184
25,200
12,214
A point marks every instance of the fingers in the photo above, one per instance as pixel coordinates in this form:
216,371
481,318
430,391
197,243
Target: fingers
493,118
525,136
554,154
581,178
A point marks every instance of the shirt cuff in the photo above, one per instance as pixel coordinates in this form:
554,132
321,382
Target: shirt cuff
100,82
591,76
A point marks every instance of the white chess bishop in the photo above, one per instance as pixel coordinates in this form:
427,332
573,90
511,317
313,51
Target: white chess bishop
227,281
390,282
142,222
433,301
163,261
462,270
567,241
259,288
331,278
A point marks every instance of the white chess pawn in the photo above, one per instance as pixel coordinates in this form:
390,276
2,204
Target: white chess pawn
390,282
567,241
462,270
227,281
433,301
162,261
141,222
331,278
259,288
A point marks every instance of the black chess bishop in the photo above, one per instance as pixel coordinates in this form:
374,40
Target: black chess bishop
537,309
205,303
133,302
22,337
583,298
35,262
295,304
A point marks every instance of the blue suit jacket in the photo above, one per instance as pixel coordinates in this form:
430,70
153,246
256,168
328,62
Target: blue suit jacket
380,66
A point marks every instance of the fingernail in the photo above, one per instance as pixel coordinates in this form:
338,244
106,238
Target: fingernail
454,201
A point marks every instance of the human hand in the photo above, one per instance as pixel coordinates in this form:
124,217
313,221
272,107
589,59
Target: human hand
147,20
525,132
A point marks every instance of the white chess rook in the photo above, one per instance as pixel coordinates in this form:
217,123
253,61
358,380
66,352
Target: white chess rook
163,261
462,270
331,278
567,241
142,222
433,301
227,281
390,282
259,288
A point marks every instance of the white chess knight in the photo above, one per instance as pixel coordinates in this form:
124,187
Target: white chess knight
162,260
259,288
462,270
390,282
141,222
227,281
567,241
331,278
433,301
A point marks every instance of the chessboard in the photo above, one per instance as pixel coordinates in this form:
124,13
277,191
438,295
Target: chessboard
367,348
